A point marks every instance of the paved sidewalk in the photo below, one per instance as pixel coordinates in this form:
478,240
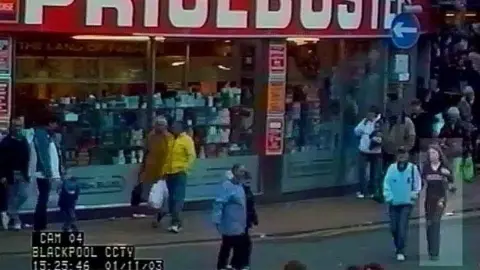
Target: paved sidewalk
275,220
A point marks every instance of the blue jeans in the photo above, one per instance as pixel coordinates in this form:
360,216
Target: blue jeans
177,185
399,219
17,196
373,184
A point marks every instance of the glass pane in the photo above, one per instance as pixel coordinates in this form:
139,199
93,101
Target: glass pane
123,69
100,100
312,111
217,106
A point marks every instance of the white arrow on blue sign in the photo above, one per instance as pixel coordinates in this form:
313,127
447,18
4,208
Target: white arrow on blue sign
405,30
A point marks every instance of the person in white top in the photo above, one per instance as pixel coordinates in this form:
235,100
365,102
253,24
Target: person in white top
48,169
370,157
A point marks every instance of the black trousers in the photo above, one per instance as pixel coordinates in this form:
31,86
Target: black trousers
241,245
433,213
3,197
40,215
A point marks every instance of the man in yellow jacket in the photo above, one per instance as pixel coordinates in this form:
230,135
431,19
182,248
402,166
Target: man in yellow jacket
179,161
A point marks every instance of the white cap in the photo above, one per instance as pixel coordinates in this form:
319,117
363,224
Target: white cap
161,120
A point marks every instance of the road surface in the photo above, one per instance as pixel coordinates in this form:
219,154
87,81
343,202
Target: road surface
460,250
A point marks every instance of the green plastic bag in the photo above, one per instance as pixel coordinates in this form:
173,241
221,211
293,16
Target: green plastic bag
468,170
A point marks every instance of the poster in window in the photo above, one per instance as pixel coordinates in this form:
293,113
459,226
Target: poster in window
5,103
5,56
9,11
275,133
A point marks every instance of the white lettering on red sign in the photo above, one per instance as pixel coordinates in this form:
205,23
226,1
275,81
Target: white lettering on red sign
34,9
315,19
7,6
349,14
151,14
227,18
267,19
188,18
123,8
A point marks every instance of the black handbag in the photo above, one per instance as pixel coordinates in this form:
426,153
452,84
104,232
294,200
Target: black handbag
136,196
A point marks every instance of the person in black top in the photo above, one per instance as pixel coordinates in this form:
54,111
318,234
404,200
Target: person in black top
423,122
438,179
252,220
14,163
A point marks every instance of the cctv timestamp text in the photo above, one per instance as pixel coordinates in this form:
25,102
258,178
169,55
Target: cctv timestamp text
95,264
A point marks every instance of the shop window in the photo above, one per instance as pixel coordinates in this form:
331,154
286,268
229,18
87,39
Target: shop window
203,90
97,88
311,107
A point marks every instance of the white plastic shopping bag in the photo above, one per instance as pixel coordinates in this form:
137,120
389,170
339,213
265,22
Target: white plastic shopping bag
158,194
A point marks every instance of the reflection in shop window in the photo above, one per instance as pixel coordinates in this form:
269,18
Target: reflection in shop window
215,104
311,109
97,88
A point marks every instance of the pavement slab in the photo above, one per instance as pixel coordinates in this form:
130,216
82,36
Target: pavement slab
281,219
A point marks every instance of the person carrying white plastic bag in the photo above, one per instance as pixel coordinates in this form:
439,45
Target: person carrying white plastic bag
158,199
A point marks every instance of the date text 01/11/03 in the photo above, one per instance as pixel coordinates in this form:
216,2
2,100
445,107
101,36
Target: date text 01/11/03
96,264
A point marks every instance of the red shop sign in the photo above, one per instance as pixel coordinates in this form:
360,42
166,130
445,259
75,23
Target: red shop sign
215,18
275,135
9,11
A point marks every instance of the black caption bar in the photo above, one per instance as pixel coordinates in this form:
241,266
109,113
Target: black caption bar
67,251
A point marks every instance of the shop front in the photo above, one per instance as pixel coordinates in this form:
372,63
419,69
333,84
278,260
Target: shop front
252,81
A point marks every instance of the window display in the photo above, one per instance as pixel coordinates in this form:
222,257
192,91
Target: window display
101,96
311,106
101,100
215,108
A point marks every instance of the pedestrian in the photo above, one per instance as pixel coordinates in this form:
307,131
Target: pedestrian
153,167
295,265
252,219
438,179
423,122
230,216
398,130
370,157
49,168
4,219
401,187
67,201
14,167
181,157
455,140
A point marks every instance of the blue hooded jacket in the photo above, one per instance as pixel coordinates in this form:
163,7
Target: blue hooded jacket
230,209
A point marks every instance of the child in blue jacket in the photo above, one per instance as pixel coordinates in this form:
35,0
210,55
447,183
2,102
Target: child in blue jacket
233,215
402,185
67,202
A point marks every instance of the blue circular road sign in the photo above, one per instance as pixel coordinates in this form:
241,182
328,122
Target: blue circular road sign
405,30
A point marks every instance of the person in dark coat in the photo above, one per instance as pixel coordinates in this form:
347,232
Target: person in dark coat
252,219
14,164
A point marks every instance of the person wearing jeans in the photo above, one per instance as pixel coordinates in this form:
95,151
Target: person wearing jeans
14,166
48,169
181,156
370,156
401,187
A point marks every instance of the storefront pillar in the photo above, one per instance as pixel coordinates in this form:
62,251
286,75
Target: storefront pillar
151,78
271,161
